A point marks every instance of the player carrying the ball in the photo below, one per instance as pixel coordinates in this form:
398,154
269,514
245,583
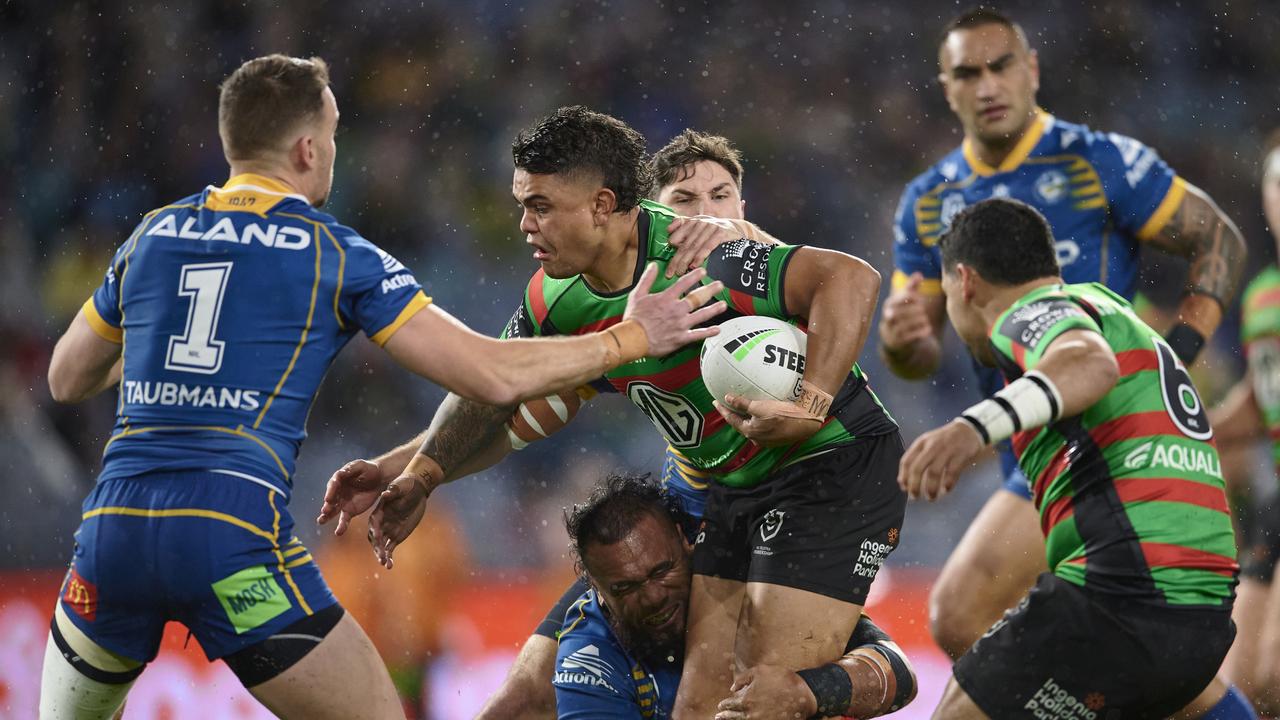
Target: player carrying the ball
802,489
1133,617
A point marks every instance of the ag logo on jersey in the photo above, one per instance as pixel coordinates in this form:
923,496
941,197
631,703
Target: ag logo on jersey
585,667
1051,186
674,416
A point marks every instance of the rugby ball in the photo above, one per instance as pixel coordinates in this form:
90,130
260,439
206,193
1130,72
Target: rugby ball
756,357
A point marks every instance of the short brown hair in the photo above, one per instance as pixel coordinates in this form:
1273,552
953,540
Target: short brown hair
978,17
671,163
265,99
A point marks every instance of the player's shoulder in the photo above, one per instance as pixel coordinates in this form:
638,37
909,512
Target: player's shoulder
951,168
1028,319
1088,142
588,653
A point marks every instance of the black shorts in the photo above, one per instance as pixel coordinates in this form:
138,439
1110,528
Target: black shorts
551,624
1066,652
825,524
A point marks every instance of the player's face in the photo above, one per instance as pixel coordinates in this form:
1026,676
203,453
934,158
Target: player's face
964,315
704,188
644,581
560,220
990,79
1271,193
326,149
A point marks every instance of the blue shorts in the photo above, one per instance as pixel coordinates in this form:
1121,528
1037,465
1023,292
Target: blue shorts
1014,480
211,551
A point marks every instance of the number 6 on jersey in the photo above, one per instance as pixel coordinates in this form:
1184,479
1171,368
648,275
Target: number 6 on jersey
195,350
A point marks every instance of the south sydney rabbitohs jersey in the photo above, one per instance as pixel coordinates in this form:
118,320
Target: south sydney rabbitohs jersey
1261,336
1130,492
669,390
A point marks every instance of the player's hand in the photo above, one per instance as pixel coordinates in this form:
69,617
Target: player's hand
694,238
670,318
933,463
768,422
904,320
768,692
350,491
396,514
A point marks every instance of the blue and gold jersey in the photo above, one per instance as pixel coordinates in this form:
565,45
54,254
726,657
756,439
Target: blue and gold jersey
1101,193
596,677
230,305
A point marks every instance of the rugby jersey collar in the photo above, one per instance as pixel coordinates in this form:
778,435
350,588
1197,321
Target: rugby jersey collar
254,182
1020,153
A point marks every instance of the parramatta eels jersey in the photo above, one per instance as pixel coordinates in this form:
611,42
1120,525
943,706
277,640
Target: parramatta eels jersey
1101,193
597,677
230,305
669,390
1130,492
1261,336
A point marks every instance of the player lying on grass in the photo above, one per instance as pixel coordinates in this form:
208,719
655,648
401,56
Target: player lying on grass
1111,433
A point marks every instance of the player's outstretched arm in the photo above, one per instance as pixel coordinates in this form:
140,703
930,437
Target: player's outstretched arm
1076,370
911,325
1203,234
83,364
695,237
503,372
836,294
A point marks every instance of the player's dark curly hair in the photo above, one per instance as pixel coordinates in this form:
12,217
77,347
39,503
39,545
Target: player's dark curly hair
574,139
672,163
614,508
1006,241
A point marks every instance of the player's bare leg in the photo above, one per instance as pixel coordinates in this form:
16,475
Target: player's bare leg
995,564
715,606
957,705
1245,657
77,678
793,628
527,693
1266,679
342,678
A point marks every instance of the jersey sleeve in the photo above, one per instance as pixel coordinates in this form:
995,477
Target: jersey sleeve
1142,190
378,292
753,275
593,680
910,254
1025,332
103,310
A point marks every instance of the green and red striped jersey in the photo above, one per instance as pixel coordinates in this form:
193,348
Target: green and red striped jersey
669,389
1130,492
1261,336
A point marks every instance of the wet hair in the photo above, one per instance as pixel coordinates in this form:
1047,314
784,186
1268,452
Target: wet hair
1007,242
674,162
614,508
267,98
575,140
978,17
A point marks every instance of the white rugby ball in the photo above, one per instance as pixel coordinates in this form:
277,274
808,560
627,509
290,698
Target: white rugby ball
756,357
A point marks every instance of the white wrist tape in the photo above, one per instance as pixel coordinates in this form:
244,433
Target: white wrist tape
1028,402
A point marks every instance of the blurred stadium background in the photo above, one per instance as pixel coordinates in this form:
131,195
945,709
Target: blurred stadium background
108,109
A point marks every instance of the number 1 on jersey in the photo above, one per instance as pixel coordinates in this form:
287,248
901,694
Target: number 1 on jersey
195,350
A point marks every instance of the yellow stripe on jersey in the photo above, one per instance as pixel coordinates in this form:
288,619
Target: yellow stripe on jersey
580,605
342,270
306,329
237,431
928,286
284,569
1168,206
250,192
1015,157
180,512
102,328
416,303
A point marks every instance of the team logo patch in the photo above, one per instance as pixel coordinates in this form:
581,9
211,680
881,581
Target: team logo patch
742,265
80,595
251,597
674,415
584,666
951,206
1051,186
772,524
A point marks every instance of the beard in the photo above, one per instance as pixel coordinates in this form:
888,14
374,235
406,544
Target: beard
665,647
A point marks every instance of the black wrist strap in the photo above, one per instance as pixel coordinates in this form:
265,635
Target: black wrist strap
1186,342
831,687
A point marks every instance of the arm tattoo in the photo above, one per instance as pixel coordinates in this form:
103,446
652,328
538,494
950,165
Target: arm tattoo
1200,232
462,428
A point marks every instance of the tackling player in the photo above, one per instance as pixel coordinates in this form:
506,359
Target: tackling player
1251,411
1133,618
620,651
589,251
218,317
1104,195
